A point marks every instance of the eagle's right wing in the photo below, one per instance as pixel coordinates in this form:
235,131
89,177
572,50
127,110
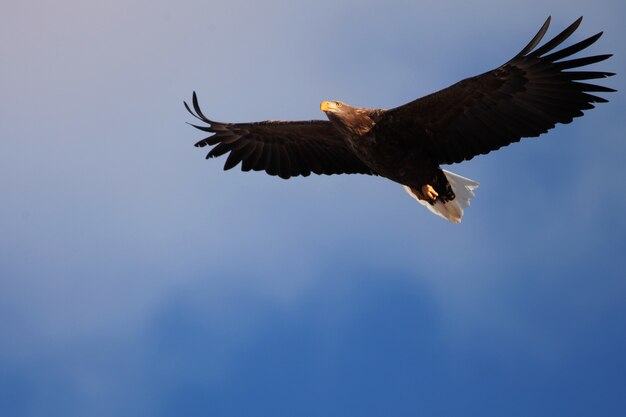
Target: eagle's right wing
522,98
286,149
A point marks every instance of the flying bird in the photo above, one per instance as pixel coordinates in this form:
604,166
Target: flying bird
525,97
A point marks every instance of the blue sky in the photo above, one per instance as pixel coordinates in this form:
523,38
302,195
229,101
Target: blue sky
136,278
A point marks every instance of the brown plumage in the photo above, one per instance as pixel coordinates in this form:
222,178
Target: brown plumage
525,97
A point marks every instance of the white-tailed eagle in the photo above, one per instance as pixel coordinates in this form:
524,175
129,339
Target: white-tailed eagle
525,97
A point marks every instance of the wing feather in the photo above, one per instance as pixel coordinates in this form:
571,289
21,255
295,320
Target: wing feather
571,50
534,41
256,161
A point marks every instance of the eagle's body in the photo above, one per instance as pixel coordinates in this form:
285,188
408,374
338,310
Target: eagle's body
525,97
388,147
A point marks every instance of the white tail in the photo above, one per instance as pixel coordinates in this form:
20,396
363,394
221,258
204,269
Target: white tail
452,210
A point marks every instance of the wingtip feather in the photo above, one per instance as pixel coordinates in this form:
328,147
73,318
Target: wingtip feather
536,39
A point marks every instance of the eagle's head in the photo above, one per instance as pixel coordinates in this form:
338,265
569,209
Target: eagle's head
351,120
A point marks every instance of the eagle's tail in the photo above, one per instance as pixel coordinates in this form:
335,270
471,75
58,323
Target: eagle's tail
452,210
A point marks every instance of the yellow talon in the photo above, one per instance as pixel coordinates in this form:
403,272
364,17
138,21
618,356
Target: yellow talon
429,193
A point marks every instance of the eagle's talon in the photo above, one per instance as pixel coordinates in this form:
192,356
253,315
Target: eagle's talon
429,193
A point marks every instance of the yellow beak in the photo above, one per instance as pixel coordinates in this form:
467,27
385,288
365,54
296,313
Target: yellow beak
326,105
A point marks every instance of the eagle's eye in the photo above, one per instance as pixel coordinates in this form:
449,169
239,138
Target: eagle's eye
339,104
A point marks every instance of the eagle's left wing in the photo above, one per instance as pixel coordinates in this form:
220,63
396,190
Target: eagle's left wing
522,98
286,149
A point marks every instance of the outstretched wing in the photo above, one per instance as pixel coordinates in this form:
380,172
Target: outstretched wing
286,149
523,98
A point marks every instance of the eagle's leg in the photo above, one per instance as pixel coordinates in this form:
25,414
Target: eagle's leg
429,193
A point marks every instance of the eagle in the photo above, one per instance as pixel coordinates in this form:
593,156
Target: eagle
525,97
